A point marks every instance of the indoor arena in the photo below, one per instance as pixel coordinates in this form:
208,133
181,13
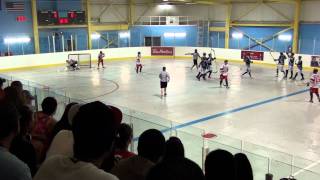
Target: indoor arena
160,90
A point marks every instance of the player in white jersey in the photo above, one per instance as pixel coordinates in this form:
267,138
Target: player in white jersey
164,79
210,59
72,64
195,57
100,59
314,85
224,73
138,63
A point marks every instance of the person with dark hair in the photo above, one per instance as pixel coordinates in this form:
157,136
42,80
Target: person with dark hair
314,85
164,79
2,94
62,143
174,148
123,141
11,167
13,96
17,85
63,124
21,145
100,59
219,164
94,131
42,127
300,68
151,147
177,169
281,61
243,169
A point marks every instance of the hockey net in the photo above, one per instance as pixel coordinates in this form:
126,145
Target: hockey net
84,59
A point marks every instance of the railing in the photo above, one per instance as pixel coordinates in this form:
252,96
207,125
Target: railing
165,20
263,160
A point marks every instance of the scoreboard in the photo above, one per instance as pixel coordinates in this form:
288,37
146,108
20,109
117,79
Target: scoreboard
54,18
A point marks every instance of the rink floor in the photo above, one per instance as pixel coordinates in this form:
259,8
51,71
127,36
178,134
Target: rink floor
265,110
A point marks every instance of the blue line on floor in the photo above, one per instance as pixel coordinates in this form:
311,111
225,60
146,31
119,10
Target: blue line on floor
211,117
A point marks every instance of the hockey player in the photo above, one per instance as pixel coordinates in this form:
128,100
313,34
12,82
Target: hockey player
195,57
138,63
100,59
72,64
164,79
202,67
290,65
314,81
210,59
281,61
300,68
247,62
224,73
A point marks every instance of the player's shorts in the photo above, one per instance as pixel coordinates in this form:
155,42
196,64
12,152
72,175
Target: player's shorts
280,67
299,71
314,90
139,66
195,62
222,77
210,68
100,60
163,84
290,67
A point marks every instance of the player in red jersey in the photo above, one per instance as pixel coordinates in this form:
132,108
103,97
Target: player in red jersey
314,82
224,73
100,59
138,63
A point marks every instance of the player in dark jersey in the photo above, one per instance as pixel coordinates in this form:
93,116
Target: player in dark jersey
210,59
281,61
247,62
290,65
202,67
300,68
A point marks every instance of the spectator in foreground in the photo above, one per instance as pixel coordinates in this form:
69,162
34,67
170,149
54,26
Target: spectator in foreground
174,149
13,96
94,130
242,167
21,145
18,86
2,94
125,134
219,164
43,126
64,123
62,143
151,147
11,167
176,169
28,98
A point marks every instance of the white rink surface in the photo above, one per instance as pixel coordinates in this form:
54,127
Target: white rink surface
290,125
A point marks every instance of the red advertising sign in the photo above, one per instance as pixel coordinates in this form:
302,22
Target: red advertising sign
254,55
162,51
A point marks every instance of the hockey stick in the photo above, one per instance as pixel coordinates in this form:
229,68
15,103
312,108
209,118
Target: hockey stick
272,56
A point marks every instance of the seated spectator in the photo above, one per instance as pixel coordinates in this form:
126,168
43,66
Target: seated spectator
151,147
17,85
242,167
11,167
174,149
176,169
63,124
62,143
123,141
2,94
219,164
94,130
43,126
21,145
28,98
13,96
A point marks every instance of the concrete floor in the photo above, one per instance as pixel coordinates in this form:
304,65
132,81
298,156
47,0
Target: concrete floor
255,110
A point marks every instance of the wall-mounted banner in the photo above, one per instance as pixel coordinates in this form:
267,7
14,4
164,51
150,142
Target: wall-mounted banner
254,55
162,51
315,61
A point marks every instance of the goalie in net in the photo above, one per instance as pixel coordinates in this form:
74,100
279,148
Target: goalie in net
75,61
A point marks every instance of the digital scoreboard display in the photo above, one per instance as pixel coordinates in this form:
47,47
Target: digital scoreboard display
54,18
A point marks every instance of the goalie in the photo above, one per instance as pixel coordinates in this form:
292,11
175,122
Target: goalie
72,64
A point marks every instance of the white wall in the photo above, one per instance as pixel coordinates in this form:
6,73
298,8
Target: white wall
16,62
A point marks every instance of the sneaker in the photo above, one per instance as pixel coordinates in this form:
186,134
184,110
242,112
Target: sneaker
165,94
311,101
